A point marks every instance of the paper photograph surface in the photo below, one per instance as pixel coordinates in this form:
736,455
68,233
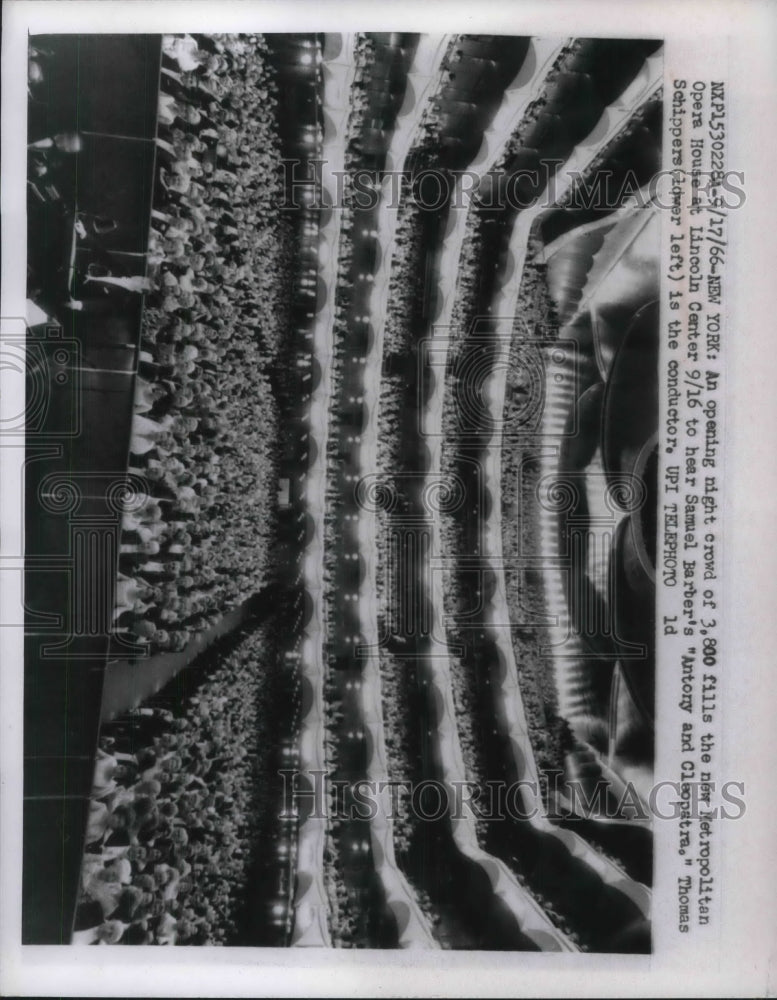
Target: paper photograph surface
374,483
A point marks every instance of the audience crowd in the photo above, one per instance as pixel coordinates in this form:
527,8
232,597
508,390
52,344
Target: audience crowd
520,475
360,98
180,796
620,148
205,424
427,146
406,285
521,137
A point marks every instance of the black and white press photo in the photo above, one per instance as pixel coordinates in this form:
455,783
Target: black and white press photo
341,490
369,427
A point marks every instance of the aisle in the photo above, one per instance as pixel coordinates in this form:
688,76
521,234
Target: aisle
129,683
